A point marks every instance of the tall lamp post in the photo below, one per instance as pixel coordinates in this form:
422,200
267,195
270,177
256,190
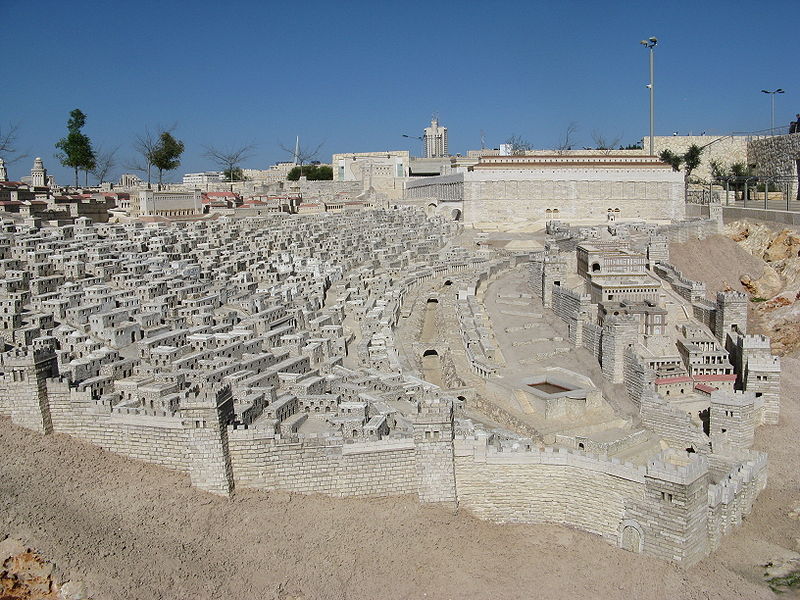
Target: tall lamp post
772,97
416,137
650,43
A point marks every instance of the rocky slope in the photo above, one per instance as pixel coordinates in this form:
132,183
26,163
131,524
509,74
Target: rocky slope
763,262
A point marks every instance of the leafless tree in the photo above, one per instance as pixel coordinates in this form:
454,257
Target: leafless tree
136,166
519,146
603,143
569,138
229,158
104,162
302,155
8,144
145,145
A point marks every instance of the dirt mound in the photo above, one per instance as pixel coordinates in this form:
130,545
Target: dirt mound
131,530
718,261
760,261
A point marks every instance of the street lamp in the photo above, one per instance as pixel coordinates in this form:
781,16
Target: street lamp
650,43
772,96
416,137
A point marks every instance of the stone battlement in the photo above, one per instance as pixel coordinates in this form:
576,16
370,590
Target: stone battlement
521,454
727,490
678,467
737,398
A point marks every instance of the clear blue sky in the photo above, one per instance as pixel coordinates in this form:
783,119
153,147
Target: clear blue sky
356,75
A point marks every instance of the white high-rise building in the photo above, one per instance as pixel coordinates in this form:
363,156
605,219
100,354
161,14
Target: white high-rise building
434,140
202,178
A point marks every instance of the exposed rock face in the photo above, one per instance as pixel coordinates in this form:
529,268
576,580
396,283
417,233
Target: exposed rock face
766,286
25,575
783,246
776,292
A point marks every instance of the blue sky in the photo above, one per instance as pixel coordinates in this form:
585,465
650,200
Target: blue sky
356,75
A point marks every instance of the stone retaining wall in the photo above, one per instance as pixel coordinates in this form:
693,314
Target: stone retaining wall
382,468
548,486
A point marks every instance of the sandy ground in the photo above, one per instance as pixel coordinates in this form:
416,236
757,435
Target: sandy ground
131,531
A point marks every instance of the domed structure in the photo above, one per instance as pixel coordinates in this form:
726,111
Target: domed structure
38,173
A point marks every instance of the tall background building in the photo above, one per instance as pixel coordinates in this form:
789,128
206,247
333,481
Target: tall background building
434,140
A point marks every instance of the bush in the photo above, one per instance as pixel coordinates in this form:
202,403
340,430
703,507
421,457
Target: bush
311,172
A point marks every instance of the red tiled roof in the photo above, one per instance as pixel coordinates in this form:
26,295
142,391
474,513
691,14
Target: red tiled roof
702,387
674,379
722,377
220,195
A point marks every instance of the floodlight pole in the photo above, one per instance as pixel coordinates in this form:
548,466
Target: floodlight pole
772,97
650,43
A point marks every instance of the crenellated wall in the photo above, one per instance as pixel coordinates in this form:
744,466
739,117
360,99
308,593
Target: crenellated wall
546,486
732,498
157,439
512,482
381,468
673,424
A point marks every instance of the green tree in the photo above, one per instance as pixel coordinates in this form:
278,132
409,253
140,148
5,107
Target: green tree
311,172
690,160
166,155
76,148
739,174
235,174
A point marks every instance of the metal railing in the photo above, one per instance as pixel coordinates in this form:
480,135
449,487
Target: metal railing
762,133
775,192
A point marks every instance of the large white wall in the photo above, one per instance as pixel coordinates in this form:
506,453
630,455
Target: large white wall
519,195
